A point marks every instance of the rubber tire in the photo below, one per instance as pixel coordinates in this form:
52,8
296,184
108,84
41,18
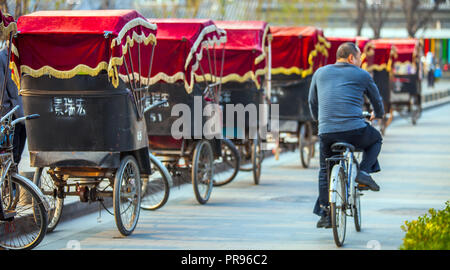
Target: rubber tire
357,210
195,167
237,160
118,179
333,211
256,163
305,141
41,208
165,179
53,216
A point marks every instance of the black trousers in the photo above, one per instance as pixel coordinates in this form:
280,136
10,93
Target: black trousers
367,139
20,136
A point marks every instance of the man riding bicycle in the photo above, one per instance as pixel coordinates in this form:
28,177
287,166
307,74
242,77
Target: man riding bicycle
336,96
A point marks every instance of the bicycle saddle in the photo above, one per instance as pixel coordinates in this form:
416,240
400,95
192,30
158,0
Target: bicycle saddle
341,147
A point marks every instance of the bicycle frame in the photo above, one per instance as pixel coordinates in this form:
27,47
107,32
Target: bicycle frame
347,162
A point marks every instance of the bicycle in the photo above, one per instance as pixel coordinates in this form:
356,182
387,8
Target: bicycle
23,208
344,191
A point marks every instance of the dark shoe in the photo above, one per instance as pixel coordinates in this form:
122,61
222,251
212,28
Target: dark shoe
324,222
364,178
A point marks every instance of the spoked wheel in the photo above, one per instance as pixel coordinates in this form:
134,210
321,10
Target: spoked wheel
257,158
245,152
357,209
26,222
416,110
127,195
45,182
202,171
305,145
227,166
338,215
155,187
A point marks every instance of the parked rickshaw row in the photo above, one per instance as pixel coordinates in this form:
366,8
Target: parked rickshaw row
107,85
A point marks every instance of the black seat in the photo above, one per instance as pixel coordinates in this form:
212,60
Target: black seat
341,147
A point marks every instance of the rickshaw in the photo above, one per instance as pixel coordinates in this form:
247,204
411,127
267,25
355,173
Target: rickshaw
245,82
83,79
363,44
175,130
379,63
296,53
406,84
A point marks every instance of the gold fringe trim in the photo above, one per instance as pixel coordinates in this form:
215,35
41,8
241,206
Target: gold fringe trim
324,41
234,77
304,72
179,76
130,25
263,55
207,30
4,32
387,67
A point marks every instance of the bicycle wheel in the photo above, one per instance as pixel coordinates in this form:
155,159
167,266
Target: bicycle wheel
27,225
127,195
305,144
45,182
257,157
202,171
357,209
227,166
338,216
155,187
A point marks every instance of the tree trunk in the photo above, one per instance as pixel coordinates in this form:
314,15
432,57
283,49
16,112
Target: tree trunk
4,6
361,8
415,17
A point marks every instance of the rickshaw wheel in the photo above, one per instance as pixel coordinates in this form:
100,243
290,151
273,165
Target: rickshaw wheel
155,187
231,159
127,195
202,171
305,144
415,109
45,182
257,157
245,156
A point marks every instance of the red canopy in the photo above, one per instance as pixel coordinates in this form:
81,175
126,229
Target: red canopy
298,50
407,50
245,52
401,53
67,43
335,42
7,25
180,48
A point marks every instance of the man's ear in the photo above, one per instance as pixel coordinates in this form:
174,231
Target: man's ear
350,58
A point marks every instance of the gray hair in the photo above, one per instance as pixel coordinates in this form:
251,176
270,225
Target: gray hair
345,49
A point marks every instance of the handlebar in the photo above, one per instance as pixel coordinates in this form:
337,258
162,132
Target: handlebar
6,116
21,119
28,117
366,115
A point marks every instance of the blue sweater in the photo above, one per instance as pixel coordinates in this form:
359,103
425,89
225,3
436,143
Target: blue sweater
336,96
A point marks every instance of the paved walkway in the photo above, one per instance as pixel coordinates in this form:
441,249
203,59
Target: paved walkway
277,214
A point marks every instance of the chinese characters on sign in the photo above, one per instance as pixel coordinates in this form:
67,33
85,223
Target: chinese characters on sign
62,106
